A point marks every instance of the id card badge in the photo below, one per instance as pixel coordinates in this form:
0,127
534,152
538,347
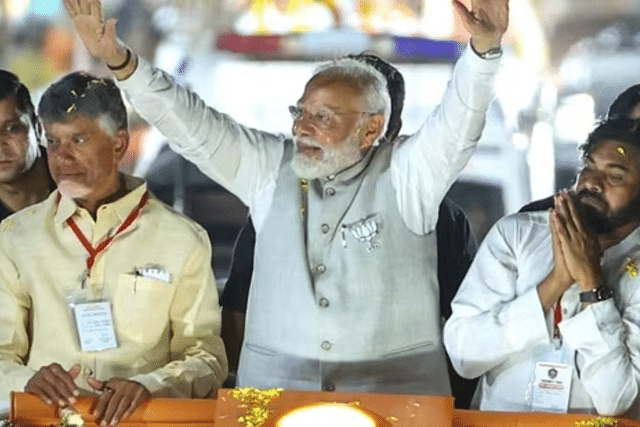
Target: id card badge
551,388
94,323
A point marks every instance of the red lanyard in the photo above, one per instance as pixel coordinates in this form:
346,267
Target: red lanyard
94,252
557,318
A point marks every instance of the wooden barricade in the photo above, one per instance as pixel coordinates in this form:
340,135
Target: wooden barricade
226,410
463,418
29,410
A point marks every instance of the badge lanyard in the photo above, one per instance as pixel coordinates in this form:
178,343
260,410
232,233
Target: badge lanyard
94,319
94,252
553,373
557,318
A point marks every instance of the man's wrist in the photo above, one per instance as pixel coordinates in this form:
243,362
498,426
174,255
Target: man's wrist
486,49
122,55
122,64
590,279
601,293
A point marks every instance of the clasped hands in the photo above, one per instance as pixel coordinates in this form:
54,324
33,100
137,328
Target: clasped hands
118,397
576,252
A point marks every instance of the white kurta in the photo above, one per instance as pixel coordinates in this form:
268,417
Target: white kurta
498,324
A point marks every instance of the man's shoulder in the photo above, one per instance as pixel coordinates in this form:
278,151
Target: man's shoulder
522,226
531,217
26,222
169,219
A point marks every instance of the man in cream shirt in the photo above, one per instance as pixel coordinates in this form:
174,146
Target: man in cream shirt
102,287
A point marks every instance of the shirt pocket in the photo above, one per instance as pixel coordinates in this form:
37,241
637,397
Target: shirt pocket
141,309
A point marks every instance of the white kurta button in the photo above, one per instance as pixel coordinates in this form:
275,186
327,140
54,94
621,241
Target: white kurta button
330,191
320,268
326,345
324,303
325,228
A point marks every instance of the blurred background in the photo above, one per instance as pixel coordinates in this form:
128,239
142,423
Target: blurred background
565,61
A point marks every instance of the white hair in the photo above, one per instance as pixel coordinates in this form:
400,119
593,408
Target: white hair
107,124
371,81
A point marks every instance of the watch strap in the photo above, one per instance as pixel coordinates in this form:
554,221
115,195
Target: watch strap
600,293
492,53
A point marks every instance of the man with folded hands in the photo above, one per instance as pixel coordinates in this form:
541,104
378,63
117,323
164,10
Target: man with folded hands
549,312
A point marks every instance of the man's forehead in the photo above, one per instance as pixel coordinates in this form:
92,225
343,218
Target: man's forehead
9,105
333,89
10,110
72,122
79,124
615,150
330,79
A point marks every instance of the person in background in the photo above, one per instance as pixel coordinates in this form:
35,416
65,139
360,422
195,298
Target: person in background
24,173
82,274
547,313
627,104
344,218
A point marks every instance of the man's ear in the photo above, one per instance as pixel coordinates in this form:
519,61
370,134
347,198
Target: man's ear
121,143
371,131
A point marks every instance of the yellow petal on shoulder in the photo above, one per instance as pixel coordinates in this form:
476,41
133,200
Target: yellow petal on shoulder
7,225
631,267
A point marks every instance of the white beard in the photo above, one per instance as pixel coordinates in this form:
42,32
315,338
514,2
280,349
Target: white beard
73,189
333,160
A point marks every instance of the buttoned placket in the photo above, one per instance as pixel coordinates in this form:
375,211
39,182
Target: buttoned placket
106,225
328,201
105,230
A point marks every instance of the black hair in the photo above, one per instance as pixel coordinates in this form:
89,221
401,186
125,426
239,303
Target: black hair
623,129
80,93
12,87
395,85
625,103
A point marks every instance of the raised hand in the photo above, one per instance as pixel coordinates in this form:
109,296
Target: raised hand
99,37
55,385
487,21
119,398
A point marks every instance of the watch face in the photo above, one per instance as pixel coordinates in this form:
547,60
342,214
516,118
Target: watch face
604,292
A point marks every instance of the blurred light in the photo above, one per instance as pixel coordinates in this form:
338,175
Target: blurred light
17,9
438,19
541,159
42,8
575,118
520,141
166,18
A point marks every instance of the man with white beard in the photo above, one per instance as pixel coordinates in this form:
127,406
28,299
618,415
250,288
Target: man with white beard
344,293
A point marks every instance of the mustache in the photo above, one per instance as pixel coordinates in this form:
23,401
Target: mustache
586,193
306,141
